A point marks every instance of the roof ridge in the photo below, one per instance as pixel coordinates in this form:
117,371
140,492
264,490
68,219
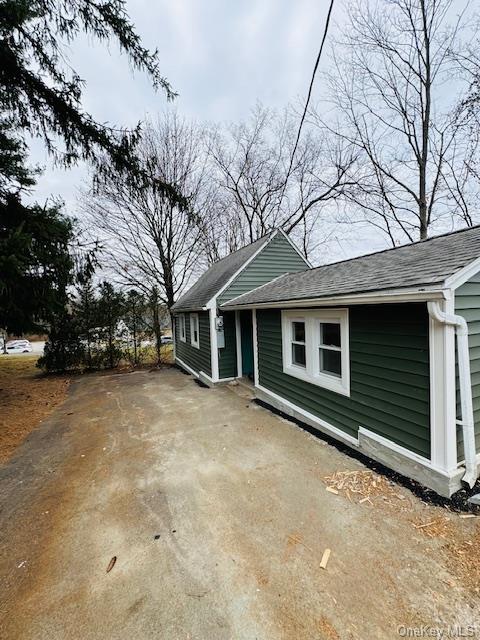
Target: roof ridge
401,246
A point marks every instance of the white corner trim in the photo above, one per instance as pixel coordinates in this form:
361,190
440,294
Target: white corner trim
442,393
255,347
294,246
461,276
322,424
238,338
212,311
244,266
411,455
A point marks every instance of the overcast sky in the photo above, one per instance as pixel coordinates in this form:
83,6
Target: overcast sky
221,57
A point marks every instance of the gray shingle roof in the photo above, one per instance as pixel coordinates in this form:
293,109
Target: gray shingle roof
425,263
210,283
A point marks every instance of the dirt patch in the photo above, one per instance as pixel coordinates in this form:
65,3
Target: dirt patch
26,398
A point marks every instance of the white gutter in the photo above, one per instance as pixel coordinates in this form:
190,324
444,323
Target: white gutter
467,422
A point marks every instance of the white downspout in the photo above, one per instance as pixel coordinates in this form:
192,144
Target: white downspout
467,422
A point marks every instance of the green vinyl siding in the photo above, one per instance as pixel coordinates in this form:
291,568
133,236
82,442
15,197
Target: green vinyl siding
389,374
467,304
196,359
227,357
277,258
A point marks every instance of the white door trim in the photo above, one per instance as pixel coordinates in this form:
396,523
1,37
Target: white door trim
238,337
255,346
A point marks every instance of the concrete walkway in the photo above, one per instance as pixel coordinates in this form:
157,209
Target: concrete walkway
218,515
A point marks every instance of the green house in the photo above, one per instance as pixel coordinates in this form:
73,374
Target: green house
381,352
217,346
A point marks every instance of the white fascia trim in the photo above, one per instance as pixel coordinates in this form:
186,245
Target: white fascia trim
294,246
227,379
239,271
460,277
324,426
186,367
238,339
385,297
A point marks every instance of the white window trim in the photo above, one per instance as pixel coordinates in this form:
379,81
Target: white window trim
196,344
183,327
311,373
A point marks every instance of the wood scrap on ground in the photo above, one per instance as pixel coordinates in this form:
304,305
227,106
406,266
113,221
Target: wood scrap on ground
325,558
365,486
437,528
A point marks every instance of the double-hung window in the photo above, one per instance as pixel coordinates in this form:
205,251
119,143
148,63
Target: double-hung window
181,327
315,347
194,330
298,344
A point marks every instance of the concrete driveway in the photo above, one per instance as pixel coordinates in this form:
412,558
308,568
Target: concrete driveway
218,515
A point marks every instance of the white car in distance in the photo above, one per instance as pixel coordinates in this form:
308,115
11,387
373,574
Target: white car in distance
19,346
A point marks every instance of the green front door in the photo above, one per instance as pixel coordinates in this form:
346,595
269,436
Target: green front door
246,334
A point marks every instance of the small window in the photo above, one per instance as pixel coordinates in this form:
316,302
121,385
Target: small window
315,347
194,330
181,323
298,344
330,349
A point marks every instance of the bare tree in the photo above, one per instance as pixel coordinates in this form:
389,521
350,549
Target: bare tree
389,88
149,242
251,165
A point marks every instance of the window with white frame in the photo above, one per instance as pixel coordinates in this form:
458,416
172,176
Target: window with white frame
181,327
194,330
315,345
298,343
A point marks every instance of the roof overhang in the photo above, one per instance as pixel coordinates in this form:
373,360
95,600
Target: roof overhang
188,310
374,297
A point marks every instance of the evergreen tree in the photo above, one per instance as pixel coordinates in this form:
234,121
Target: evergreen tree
111,307
36,264
135,311
86,311
42,96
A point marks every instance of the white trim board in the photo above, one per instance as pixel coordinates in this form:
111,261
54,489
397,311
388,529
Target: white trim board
212,314
255,347
238,339
461,276
442,393
361,298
